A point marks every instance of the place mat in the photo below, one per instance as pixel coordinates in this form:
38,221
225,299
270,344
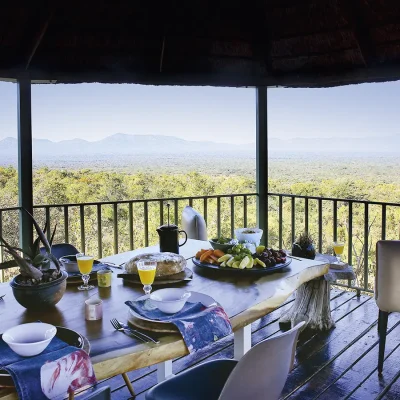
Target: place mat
68,336
185,276
198,325
58,370
152,326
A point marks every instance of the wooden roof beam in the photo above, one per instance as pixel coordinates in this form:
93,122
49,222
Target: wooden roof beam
361,31
38,39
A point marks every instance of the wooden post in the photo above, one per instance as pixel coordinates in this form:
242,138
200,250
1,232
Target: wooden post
262,161
25,191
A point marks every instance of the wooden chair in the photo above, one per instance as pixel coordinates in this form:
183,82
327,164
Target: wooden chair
387,288
261,374
194,224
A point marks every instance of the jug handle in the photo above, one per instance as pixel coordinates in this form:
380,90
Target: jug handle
186,238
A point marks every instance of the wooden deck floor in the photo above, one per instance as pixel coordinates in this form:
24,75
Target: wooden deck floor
339,364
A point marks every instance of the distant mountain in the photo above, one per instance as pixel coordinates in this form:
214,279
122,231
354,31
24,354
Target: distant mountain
121,143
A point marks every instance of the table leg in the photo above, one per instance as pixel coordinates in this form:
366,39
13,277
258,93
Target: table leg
128,384
241,342
164,371
312,305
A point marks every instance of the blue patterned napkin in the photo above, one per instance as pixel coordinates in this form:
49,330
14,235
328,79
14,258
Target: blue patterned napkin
60,368
96,268
199,325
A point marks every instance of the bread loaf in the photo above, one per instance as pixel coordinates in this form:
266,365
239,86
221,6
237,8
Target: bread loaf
167,263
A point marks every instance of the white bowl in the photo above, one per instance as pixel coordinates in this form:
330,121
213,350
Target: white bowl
169,301
69,263
29,339
255,237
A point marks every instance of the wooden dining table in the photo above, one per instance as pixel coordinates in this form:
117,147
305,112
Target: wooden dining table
245,298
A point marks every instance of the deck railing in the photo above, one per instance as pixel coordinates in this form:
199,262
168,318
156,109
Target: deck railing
104,228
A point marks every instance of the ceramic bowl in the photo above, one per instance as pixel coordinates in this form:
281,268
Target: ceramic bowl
219,246
69,263
169,301
28,340
254,237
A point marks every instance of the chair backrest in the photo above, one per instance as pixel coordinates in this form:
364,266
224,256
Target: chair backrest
61,250
263,370
194,224
387,276
100,394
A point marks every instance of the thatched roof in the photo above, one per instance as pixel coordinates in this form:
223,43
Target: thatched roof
198,42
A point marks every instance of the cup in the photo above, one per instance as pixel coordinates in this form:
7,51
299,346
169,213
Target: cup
93,309
104,278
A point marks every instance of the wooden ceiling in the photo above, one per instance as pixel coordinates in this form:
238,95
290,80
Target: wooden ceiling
303,43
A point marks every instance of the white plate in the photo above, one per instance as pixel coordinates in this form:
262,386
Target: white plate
196,297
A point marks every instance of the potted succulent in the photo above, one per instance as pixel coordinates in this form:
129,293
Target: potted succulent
41,283
304,247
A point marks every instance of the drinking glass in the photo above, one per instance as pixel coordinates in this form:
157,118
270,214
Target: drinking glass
338,248
85,265
147,273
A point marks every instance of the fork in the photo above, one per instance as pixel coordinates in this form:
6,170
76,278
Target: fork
132,332
1,297
128,328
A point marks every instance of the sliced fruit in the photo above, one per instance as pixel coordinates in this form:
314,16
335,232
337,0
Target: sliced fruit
230,262
259,262
205,255
260,249
236,264
244,262
250,263
226,257
223,264
218,253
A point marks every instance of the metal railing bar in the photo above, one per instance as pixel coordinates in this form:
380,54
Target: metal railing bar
335,220
293,217
245,211
161,212
138,201
115,226
298,196
66,224
306,215
232,216
383,235
146,223
350,234
176,218
320,225
218,216
99,233
82,226
131,242
280,221
366,252
205,210
49,230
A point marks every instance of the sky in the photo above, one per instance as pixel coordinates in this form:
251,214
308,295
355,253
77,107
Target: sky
94,111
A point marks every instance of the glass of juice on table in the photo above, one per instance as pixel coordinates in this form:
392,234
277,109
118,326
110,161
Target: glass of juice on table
147,273
338,248
85,265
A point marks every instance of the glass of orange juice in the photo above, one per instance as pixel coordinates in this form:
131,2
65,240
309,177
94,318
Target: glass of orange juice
147,273
338,248
85,265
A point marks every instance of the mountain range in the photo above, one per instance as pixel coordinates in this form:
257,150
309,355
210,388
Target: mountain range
126,144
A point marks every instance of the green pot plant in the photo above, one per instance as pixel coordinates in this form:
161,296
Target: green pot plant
304,246
41,283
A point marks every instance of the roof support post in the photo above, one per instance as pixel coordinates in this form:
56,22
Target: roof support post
25,188
262,161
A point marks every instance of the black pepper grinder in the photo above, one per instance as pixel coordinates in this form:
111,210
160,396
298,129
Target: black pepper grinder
169,237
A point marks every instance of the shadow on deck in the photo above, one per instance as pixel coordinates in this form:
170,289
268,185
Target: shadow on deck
338,364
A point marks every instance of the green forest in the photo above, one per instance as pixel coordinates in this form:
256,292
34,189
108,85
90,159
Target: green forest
55,187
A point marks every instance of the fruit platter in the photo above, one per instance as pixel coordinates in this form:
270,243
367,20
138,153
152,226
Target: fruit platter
240,258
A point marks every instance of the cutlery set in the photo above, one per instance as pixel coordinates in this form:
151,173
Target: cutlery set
127,330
